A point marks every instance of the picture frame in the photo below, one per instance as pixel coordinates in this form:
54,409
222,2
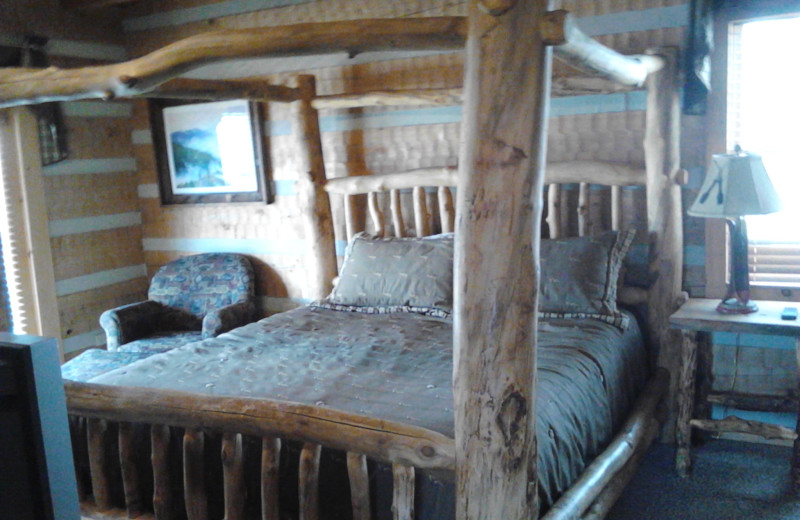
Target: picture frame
209,151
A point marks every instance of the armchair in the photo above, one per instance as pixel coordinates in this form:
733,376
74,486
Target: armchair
189,299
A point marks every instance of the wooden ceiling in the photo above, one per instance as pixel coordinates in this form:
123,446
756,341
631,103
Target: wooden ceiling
92,4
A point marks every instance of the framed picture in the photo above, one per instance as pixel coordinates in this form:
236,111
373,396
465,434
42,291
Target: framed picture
209,151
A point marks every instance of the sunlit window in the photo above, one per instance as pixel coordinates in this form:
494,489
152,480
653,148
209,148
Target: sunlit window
764,118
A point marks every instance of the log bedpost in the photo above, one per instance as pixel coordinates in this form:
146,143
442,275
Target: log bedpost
314,203
662,163
501,170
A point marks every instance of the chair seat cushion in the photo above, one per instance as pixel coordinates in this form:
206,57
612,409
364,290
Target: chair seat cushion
95,361
161,342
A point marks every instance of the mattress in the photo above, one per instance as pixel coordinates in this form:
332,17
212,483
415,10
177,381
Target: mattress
398,366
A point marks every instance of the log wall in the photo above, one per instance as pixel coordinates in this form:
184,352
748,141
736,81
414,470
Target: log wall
375,139
92,206
95,220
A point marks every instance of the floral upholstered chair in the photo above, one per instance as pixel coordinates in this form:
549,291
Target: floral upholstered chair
189,299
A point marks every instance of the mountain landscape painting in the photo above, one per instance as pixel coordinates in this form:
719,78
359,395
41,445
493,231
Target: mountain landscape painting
210,148
195,155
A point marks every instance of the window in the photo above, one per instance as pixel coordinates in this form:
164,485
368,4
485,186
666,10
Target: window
754,103
23,222
764,117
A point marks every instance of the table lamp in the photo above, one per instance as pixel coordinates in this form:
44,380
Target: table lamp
736,185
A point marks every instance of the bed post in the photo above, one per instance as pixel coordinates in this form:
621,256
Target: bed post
501,174
664,176
315,206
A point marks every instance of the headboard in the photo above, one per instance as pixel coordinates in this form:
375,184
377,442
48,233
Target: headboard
420,203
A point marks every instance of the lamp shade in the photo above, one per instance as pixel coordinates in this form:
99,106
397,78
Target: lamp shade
736,184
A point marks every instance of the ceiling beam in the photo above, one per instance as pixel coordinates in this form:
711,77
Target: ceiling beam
92,4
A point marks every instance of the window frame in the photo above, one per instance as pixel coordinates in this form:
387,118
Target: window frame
717,123
19,127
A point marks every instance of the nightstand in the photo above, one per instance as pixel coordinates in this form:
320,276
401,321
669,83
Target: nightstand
697,319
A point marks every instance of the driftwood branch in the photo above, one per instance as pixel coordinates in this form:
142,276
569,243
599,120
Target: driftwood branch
429,96
574,47
134,78
183,88
737,425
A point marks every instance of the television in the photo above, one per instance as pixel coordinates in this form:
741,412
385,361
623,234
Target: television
37,475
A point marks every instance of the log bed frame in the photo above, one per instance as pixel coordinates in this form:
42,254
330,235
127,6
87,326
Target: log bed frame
500,180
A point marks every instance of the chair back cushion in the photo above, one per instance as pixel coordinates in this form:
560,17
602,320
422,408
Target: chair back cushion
205,282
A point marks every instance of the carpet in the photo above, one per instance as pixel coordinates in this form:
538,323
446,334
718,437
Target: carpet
730,481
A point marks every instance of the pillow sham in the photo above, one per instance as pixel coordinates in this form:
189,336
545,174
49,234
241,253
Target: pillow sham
396,272
579,276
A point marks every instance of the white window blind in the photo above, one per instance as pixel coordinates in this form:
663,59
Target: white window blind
764,118
16,252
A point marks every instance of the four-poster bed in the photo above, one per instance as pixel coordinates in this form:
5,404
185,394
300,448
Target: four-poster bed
496,278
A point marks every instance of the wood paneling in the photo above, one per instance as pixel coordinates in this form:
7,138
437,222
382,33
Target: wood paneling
87,253
92,137
74,196
47,18
80,312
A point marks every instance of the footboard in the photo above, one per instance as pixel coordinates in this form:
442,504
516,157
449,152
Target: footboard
404,447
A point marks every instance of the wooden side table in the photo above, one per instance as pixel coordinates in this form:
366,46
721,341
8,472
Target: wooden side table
697,319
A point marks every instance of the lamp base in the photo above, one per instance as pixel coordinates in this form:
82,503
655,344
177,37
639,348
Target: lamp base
734,305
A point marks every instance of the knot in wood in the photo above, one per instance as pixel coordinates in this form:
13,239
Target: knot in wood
505,154
428,451
496,7
128,81
512,412
511,420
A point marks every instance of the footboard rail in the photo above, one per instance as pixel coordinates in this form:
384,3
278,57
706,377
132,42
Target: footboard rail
403,446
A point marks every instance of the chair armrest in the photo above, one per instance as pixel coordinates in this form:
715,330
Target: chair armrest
130,322
227,318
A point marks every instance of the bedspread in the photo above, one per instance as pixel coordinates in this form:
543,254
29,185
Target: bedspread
399,367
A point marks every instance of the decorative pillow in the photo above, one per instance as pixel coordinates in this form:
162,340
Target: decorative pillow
579,276
396,272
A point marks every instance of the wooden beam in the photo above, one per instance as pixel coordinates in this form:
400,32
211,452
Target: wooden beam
581,51
92,4
270,478
501,174
315,205
359,486
664,218
96,432
430,96
183,88
360,184
162,485
634,438
600,172
376,438
308,481
737,425
586,85
134,77
755,402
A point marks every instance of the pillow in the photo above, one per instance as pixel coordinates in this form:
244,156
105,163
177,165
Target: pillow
579,276
415,273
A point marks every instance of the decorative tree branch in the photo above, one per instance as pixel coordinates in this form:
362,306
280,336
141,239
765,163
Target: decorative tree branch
135,77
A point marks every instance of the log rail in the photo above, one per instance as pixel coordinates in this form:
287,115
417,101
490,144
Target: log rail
403,446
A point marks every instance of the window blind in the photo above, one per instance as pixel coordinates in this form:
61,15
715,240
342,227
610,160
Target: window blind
762,109
16,252
774,263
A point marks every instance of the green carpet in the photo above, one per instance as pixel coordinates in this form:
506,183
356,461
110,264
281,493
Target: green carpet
731,481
